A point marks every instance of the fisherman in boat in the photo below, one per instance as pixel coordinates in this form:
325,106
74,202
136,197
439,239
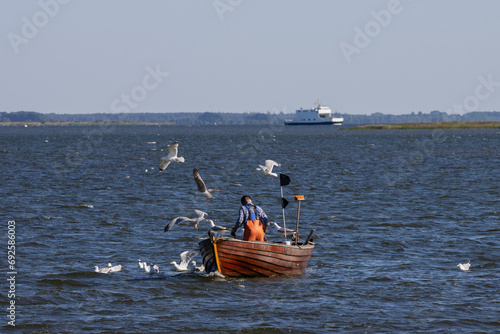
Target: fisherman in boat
254,220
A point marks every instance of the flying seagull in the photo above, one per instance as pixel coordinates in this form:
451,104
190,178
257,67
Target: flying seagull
202,188
267,170
200,215
281,230
170,157
217,228
464,266
186,256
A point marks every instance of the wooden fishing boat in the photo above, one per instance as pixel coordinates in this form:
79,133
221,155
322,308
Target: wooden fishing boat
237,258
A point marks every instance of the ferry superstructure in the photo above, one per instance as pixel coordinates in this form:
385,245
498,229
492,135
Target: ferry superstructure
316,116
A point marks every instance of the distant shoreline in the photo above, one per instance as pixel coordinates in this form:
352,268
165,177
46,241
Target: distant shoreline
397,126
82,123
437,125
220,118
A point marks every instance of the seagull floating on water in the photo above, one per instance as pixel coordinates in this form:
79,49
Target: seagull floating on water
101,270
141,264
114,268
186,256
464,266
151,268
200,215
217,228
202,188
281,230
171,156
267,170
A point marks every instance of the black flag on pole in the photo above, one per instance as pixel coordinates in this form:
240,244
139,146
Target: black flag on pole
284,202
284,180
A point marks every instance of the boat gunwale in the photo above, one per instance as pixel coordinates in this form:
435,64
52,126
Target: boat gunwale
266,243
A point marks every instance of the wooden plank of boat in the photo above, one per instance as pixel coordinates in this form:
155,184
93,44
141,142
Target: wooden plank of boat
208,255
237,258
261,259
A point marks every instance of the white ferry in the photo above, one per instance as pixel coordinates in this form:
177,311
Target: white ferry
319,115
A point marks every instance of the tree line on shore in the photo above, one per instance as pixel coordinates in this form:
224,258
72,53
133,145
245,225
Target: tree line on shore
220,118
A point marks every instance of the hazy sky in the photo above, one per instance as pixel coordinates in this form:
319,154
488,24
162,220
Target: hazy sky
358,57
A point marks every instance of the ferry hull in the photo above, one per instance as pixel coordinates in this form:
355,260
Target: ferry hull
311,123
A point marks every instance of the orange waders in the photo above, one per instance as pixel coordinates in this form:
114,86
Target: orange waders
254,231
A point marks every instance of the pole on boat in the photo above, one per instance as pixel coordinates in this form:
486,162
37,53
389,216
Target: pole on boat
284,181
283,205
298,198
309,237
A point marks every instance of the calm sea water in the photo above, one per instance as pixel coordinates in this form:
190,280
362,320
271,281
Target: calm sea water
394,212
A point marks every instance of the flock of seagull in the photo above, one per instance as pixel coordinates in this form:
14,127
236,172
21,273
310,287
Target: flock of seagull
186,263
218,228
172,156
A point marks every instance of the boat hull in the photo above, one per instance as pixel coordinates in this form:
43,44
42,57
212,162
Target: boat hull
311,123
238,258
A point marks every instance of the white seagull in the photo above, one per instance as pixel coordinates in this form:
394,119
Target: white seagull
186,256
202,188
200,215
464,266
198,268
151,268
267,170
114,268
170,157
281,230
101,270
217,228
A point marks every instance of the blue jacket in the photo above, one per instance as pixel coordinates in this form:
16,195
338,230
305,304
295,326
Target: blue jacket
245,215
